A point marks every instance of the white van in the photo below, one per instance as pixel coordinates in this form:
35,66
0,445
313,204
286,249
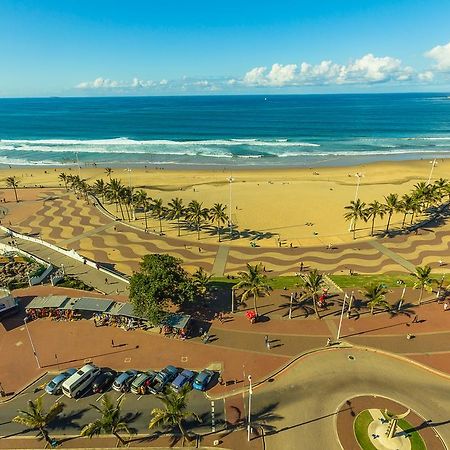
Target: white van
75,384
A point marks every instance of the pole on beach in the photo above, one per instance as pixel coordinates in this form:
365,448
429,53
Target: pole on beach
358,176
31,342
433,165
230,180
400,303
290,306
250,392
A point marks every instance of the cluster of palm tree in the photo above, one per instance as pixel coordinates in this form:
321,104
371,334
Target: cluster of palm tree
423,196
110,419
129,200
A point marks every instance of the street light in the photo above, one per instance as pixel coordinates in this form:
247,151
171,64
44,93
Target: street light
290,305
358,176
433,165
31,342
250,392
230,181
400,303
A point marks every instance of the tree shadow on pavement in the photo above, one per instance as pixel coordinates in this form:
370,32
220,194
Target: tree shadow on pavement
262,418
68,421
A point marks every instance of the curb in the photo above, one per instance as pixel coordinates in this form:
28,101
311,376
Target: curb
24,388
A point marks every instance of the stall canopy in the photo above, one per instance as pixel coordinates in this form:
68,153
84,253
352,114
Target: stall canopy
51,301
177,321
91,304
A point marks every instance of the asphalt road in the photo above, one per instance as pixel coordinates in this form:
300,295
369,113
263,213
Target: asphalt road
298,409
78,413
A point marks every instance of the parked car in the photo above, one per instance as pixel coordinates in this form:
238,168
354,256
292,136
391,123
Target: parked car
142,381
184,378
55,385
123,381
103,381
163,377
202,380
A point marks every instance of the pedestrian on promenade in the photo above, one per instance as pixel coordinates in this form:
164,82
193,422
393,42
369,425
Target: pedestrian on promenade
268,345
106,280
112,343
328,342
415,320
266,339
445,306
301,266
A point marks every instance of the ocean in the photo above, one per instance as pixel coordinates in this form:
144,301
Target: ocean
224,131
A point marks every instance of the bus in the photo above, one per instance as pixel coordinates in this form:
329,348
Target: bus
79,381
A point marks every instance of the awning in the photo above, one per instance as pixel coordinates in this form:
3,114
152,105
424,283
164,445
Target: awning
51,301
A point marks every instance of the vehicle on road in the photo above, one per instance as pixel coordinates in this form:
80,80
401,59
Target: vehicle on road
54,386
202,380
103,381
163,377
142,381
123,381
80,381
184,378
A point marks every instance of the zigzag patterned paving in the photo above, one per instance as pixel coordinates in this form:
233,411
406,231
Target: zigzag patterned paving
69,218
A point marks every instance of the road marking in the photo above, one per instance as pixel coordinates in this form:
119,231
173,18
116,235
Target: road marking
101,396
19,343
120,397
127,360
140,397
213,417
59,398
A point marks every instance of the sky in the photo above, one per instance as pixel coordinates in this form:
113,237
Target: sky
178,47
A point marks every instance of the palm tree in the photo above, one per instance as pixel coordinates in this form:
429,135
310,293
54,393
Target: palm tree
391,205
158,211
254,283
313,284
406,206
37,418
356,210
176,211
63,177
218,215
99,188
376,296
197,214
142,200
108,172
423,280
110,420
201,280
174,413
13,183
442,185
374,210
114,191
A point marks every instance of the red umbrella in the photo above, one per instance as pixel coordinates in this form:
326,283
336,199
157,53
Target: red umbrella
250,314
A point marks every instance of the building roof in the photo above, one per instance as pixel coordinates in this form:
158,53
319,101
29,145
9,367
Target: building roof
92,304
178,321
51,301
127,310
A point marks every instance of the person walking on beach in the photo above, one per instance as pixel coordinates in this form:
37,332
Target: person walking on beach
112,343
328,342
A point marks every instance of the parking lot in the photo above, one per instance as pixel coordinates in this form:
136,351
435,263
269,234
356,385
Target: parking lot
78,412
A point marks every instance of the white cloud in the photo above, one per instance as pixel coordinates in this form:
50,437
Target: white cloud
428,75
106,83
441,55
368,69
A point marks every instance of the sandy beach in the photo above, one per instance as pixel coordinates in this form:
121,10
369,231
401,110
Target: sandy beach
283,203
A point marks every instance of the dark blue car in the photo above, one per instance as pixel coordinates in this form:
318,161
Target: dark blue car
182,379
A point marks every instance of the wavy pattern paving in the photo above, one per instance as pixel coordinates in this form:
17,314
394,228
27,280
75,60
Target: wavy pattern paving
66,218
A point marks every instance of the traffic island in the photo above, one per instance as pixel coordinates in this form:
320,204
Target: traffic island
378,423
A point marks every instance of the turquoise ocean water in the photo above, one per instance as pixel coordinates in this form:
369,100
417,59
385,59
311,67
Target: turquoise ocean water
223,131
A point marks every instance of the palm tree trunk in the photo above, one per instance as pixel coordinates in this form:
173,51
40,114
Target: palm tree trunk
373,224
255,305
315,307
388,222
120,438
121,210
183,430
179,227
145,218
404,219
420,296
198,230
371,310
160,225
45,435
15,193
218,230
412,218
354,229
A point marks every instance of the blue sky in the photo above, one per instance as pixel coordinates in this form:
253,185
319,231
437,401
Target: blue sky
97,47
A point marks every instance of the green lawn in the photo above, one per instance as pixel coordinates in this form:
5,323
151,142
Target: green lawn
362,421
360,425
344,281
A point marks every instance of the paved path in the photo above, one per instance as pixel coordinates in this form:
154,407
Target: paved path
89,275
221,260
394,256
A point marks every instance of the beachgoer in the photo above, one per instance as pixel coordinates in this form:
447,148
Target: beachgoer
112,343
445,306
328,342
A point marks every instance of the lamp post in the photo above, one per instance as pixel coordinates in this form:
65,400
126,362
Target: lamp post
250,392
31,342
230,181
358,176
340,320
433,165
290,305
438,294
400,303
